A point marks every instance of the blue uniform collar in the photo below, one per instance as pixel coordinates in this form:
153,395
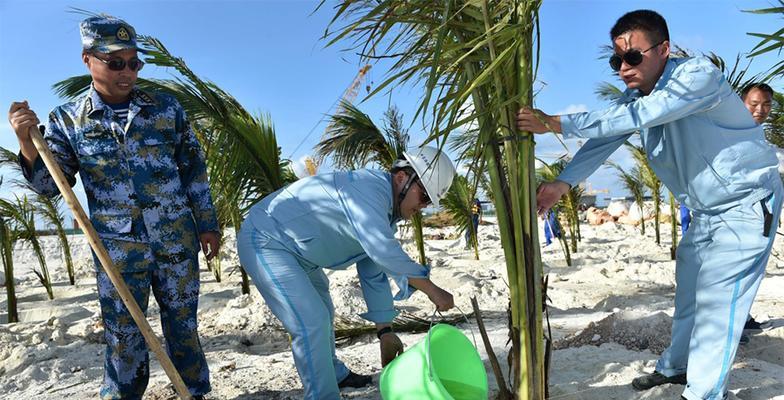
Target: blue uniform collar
93,104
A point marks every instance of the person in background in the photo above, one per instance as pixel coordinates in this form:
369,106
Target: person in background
758,99
476,218
551,227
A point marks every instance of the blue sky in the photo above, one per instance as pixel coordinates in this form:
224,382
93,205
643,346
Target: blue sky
270,56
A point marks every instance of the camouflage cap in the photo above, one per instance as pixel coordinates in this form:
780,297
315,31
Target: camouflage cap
107,34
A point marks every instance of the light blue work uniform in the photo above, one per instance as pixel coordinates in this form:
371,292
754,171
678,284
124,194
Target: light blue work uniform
325,221
703,144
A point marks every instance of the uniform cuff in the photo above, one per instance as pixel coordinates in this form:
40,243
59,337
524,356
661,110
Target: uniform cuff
568,129
380,317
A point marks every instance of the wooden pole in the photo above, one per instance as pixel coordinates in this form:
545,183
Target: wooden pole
106,263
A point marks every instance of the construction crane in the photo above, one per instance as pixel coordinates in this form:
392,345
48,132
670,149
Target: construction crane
591,191
312,163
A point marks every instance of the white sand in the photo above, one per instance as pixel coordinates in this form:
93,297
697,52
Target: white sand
610,316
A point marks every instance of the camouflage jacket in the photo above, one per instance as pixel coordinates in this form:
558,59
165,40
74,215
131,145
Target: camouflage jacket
145,181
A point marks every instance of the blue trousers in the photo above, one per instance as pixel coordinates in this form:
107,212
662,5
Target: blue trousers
299,297
551,228
720,264
126,364
468,232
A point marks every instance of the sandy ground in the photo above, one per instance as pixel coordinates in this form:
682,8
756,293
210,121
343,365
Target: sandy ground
610,314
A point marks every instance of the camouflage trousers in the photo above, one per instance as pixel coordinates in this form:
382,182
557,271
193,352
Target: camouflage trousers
126,364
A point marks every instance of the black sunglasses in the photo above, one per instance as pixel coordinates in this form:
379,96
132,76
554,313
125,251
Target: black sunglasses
118,64
423,197
632,57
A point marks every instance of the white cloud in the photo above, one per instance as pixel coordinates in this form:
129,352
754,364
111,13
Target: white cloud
573,108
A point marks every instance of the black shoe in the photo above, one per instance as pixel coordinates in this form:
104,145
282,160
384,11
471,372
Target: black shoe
744,339
355,380
753,325
646,382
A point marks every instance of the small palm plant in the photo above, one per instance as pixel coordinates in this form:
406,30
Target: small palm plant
651,181
569,204
46,207
457,203
8,236
633,183
21,213
674,226
7,239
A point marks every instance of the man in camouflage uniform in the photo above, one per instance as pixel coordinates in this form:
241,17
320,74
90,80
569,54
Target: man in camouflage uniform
146,183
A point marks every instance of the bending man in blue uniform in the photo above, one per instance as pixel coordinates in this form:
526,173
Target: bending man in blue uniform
145,179
333,221
710,153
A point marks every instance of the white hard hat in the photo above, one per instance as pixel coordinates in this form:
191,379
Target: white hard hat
434,169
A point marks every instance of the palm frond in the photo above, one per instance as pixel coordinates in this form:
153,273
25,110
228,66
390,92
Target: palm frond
770,42
346,329
608,92
353,140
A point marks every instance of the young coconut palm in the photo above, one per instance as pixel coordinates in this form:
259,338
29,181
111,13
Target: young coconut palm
570,203
651,181
479,52
458,203
21,215
7,239
633,183
243,158
674,226
46,207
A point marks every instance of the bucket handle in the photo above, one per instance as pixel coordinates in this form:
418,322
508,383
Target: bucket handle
430,328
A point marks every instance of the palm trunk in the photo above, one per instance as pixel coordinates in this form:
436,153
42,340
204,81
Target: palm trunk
574,210
67,255
6,254
572,219
43,276
674,226
642,215
215,266
518,212
475,240
419,237
657,216
564,245
236,221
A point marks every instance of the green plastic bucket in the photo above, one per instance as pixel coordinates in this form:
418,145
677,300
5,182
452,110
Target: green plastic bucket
450,370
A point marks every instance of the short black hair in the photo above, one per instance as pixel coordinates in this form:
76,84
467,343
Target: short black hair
761,86
648,21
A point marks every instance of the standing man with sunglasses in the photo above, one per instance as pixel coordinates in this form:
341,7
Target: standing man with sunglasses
146,183
333,221
702,144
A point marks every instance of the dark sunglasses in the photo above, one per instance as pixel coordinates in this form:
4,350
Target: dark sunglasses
118,64
423,196
632,57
